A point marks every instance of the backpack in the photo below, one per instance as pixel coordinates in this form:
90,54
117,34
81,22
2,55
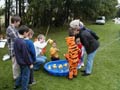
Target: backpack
93,34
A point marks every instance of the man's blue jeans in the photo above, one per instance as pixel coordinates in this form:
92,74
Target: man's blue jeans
23,78
39,60
90,59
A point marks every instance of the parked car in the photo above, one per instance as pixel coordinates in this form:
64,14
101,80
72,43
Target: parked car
116,20
100,20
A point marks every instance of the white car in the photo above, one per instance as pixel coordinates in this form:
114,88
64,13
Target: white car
117,20
100,20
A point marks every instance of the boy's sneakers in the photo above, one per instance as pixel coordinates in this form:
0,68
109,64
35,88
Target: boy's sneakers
86,74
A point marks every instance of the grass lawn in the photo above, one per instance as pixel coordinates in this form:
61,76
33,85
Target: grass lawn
105,75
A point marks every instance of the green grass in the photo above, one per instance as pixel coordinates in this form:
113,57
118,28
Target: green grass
105,75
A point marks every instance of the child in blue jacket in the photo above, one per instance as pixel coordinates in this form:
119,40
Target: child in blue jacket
32,53
23,58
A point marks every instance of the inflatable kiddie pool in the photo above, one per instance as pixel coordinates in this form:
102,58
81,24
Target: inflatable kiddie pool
57,68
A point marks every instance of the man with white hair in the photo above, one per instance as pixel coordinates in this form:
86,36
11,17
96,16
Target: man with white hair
88,40
76,24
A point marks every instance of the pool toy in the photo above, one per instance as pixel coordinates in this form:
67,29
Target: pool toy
60,66
54,66
65,65
50,41
57,68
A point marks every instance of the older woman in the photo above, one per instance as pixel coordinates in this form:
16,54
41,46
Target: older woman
90,43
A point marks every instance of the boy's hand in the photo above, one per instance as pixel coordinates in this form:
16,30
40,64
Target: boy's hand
41,53
48,40
31,66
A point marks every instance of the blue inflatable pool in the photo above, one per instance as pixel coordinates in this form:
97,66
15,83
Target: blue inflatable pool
57,68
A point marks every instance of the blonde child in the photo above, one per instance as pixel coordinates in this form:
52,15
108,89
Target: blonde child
40,44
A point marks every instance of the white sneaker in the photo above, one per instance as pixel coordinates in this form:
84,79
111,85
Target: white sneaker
79,66
6,57
82,64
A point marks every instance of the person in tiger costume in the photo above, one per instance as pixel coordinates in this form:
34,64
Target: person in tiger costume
72,55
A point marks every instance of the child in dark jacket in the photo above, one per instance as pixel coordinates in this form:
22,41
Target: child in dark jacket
32,53
23,59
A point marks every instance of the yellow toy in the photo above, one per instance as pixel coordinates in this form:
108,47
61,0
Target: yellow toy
54,66
65,64
50,41
60,66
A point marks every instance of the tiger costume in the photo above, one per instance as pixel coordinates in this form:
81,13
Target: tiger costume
72,56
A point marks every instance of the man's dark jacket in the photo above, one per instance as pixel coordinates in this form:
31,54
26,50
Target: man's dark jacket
88,41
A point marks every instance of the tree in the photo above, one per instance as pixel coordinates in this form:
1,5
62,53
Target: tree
56,12
7,12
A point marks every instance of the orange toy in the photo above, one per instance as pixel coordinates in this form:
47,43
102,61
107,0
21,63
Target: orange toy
72,56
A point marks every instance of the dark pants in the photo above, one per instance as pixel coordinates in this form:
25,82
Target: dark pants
54,58
23,78
31,76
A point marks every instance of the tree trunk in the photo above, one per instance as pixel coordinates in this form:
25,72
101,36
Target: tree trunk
20,8
16,7
7,12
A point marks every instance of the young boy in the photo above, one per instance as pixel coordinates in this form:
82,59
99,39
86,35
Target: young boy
54,52
12,34
72,55
39,45
32,53
23,59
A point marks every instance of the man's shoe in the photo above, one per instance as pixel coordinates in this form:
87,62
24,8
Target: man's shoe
86,74
83,71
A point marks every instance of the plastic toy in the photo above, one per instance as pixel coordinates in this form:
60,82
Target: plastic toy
57,68
50,41
60,66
